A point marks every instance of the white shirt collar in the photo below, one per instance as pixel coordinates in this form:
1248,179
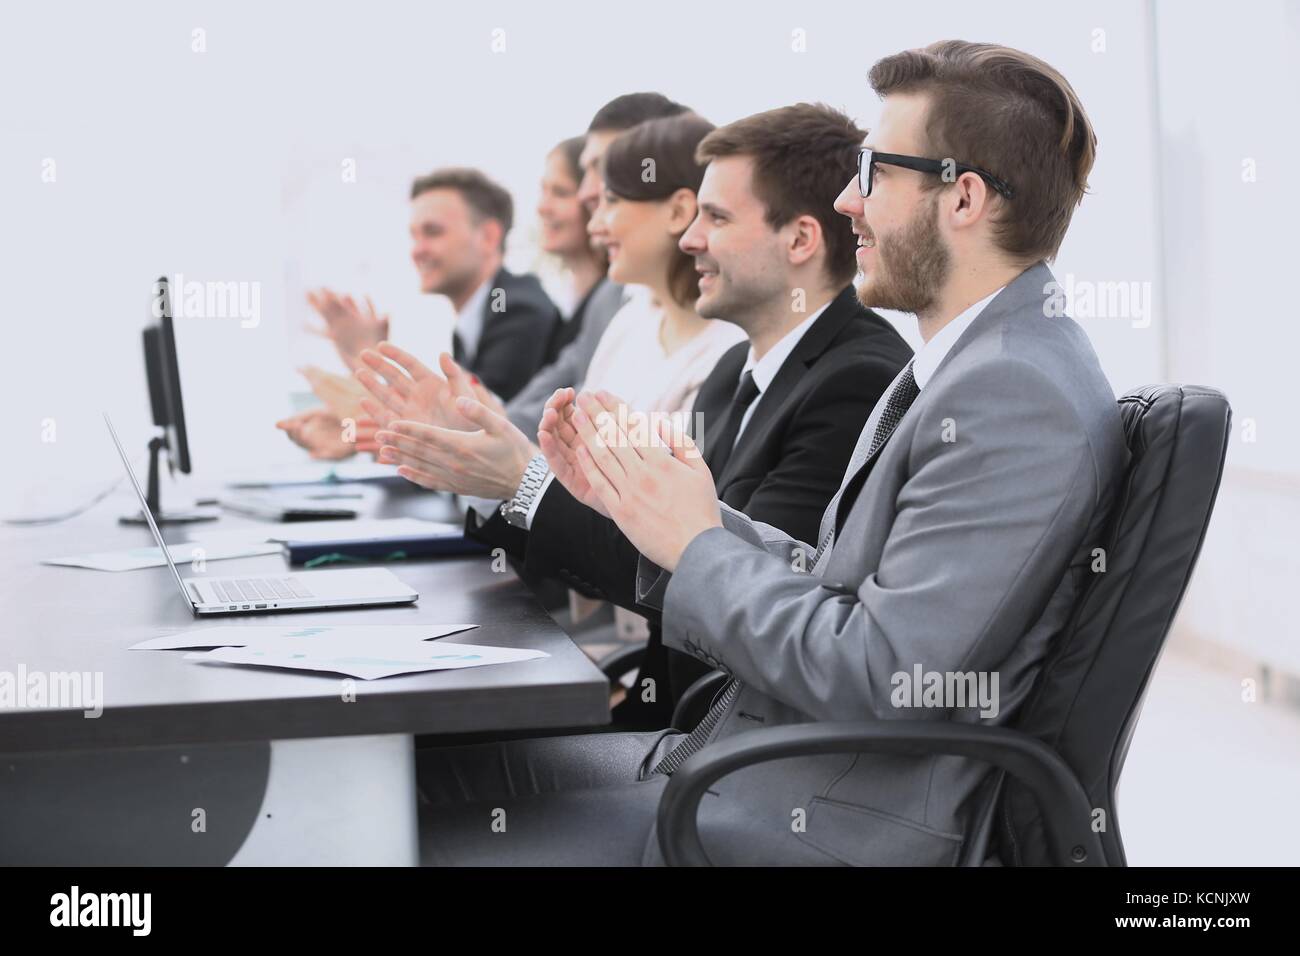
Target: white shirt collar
932,353
469,319
765,369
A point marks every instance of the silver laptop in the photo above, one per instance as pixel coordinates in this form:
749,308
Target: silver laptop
350,587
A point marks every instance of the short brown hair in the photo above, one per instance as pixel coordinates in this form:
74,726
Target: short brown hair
669,141
803,155
485,198
1012,115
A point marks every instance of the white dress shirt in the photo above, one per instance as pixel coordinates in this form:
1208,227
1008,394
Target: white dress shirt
630,361
932,353
469,321
765,369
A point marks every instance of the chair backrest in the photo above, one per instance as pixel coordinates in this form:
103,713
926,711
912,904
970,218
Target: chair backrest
1090,691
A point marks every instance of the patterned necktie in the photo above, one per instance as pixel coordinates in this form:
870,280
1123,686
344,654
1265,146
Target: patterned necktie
719,448
900,399
698,737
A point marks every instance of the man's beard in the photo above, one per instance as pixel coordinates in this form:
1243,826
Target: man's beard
912,267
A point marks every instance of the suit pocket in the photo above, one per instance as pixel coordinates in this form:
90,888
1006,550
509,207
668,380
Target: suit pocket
863,836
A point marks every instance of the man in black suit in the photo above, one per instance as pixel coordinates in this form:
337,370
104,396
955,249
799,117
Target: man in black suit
459,223
780,415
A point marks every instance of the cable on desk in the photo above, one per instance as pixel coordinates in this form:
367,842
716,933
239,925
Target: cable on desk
66,515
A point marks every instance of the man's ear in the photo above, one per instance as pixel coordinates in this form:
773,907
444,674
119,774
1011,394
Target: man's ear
492,233
973,201
805,238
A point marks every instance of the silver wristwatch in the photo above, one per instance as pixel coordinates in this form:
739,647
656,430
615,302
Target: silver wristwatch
515,511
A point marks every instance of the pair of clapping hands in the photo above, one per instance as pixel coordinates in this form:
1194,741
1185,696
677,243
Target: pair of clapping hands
445,433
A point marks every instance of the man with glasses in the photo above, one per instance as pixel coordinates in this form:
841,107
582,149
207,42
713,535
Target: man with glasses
947,168
960,536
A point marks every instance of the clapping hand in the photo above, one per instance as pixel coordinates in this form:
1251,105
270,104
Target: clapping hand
655,486
328,437
346,325
559,440
403,388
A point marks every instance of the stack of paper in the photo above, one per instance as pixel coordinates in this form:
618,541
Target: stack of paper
135,558
358,650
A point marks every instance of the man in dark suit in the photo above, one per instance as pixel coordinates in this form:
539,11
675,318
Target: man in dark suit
779,414
784,466
459,223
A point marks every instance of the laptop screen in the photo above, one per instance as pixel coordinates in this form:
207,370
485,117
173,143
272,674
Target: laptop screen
148,515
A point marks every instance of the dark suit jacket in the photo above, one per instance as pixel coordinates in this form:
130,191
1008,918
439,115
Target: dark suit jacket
514,341
785,467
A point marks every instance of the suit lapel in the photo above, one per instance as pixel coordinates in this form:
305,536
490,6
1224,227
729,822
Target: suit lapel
1028,287
714,400
857,467
827,327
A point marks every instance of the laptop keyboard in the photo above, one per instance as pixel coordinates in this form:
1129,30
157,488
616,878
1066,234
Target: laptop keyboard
259,589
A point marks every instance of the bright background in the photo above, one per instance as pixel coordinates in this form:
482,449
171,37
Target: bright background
226,165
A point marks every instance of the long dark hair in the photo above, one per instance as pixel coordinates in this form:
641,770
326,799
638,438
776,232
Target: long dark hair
665,148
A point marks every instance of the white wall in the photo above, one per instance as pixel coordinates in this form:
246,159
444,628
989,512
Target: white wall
225,165
1228,81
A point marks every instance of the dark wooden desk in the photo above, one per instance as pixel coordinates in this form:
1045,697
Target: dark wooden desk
274,766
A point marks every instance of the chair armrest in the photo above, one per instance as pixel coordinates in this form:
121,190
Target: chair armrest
1067,814
695,702
622,661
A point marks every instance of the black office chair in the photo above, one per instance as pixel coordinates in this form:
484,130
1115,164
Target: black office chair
1063,754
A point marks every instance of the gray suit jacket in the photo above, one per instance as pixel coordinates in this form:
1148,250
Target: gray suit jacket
961,553
570,367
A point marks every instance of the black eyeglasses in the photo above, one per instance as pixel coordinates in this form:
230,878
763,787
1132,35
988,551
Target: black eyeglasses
869,158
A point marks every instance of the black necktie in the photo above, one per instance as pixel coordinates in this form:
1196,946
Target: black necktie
458,348
720,445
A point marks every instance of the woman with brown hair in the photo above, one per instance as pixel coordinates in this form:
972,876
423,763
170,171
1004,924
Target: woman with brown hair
651,179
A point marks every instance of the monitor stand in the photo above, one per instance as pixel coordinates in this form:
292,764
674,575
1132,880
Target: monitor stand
161,516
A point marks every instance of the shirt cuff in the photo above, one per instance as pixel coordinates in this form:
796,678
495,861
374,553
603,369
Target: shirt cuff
484,508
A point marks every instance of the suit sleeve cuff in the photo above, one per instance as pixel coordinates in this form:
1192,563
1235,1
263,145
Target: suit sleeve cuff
482,508
682,598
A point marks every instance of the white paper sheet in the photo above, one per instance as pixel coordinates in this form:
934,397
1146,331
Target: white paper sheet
152,557
373,658
350,635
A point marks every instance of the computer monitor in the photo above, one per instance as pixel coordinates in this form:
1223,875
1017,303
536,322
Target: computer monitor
162,370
